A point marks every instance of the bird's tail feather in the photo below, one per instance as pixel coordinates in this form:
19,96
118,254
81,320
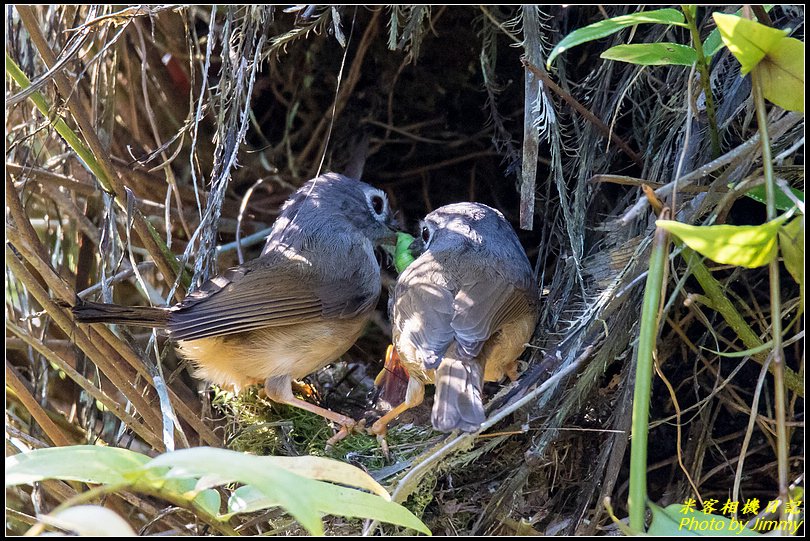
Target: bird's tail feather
457,404
141,316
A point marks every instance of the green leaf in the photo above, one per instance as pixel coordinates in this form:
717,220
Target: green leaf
782,201
331,500
193,491
85,463
743,245
676,520
749,41
714,42
791,244
403,256
783,75
607,27
652,54
304,498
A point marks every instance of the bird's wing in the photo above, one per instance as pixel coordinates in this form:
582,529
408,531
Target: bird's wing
482,305
422,311
269,292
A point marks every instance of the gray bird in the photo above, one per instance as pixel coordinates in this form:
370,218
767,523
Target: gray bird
291,311
461,313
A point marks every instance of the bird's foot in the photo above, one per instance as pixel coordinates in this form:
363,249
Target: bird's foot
347,426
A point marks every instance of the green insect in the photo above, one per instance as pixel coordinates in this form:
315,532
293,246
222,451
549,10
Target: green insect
402,256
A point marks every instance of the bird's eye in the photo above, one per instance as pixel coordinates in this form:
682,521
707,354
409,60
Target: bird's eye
377,204
425,234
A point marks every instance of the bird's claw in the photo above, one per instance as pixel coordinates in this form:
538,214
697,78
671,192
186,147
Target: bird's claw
349,427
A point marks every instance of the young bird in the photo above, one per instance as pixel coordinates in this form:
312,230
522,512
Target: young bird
461,313
291,311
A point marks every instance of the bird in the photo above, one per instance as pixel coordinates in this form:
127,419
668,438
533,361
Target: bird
291,311
461,313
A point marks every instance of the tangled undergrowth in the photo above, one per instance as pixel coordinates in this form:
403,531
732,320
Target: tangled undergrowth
193,124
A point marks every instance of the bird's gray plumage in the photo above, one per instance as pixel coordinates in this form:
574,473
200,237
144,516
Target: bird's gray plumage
472,281
318,262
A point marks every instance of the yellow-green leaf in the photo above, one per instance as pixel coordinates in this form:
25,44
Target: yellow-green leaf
749,41
652,54
743,245
791,243
783,75
714,43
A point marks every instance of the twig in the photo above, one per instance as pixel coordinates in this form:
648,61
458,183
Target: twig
411,480
51,429
104,363
114,407
582,110
100,163
48,178
742,151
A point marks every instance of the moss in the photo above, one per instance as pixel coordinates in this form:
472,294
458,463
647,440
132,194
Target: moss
258,426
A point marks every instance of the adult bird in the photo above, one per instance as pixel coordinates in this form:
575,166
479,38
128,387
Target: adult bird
297,307
461,313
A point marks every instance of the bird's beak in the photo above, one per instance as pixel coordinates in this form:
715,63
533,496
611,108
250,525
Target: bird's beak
417,246
393,228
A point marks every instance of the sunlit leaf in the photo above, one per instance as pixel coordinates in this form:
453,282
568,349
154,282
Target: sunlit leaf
607,27
304,498
714,42
675,520
743,245
652,54
86,463
791,244
749,41
332,500
783,75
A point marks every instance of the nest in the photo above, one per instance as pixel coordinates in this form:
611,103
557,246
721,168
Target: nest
195,123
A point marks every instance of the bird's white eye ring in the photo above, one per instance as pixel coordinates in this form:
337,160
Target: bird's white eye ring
377,204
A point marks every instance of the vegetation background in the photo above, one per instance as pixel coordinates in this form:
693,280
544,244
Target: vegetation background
154,139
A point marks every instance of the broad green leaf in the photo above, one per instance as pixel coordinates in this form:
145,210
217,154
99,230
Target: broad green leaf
86,463
791,244
304,498
611,26
652,54
743,245
749,41
782,201
676,520
91,520
783,75
331,500
714,42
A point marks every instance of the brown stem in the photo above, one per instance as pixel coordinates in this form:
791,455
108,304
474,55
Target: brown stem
582,110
